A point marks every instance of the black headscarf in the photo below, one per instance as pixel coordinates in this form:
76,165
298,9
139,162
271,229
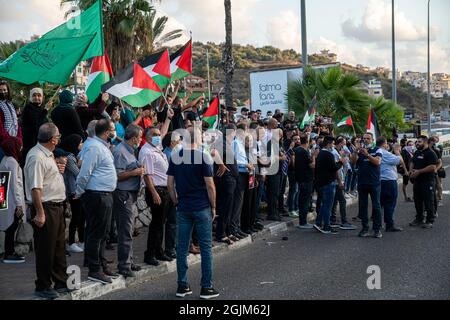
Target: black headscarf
71,143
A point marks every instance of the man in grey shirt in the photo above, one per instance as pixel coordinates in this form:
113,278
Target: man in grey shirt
129,173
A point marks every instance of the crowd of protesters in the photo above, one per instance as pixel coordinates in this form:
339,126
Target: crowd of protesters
96,157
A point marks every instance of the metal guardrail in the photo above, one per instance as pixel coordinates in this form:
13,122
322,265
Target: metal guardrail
446,152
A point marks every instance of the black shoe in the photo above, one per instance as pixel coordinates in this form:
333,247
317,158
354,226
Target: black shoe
249,232
364,234
68,254
427,225
110,273
208,293
109,246
163,257
99,277
47,294
64,290
242,234
258,225
416,223
393,229
135,267
151,261
182,291
377,234
171,254
329,231
14,259
127,273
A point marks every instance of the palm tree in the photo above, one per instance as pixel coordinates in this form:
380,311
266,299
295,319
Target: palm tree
130,29
339,95
227,58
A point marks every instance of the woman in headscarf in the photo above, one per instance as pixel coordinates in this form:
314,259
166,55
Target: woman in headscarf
14,211
9,123
71,146
65,117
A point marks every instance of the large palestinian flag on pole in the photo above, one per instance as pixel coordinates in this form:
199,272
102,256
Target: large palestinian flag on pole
310,114
101,72
158,67
134,86
181,62
372,125
211,116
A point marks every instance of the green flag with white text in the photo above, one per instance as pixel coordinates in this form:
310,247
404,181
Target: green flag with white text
53,57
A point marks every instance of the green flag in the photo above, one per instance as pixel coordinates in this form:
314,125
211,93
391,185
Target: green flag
54,56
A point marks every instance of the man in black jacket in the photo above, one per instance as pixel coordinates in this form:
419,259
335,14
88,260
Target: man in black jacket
65,117
326,170
90,111
34,115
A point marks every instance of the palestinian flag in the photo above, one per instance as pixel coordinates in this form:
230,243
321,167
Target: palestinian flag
347,121
101,72
310,115
134,86
211,115
158,67
181,62
372,125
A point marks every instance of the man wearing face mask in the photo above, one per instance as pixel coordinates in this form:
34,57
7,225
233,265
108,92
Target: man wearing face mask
9,124
34,115
129,173
95,184
157,196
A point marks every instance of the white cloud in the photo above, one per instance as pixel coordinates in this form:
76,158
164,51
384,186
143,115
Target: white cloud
375,25
206,19
283,30
414,57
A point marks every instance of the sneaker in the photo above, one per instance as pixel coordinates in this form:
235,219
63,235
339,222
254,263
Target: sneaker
377,234
151,261
318,228
329,230
347,226
295,214
74,248
364,234
135,267
416,223
99,277
183,291
110,273
81,245
427,225
334,225
163,257
127,274
305,226
208,293
393,229
14,259
47,294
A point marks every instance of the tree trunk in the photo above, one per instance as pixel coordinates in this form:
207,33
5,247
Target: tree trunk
228,61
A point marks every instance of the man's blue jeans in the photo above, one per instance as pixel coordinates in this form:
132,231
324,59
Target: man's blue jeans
326,193
388,200
363,194
202,222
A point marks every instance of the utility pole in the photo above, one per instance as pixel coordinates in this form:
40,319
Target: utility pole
429,75
394,68
304,39
209,78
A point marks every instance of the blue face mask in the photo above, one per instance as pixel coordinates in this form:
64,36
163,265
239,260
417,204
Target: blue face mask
156,141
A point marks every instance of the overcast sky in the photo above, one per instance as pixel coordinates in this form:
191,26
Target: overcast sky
357,30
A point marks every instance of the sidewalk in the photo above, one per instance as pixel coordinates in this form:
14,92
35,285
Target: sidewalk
17,281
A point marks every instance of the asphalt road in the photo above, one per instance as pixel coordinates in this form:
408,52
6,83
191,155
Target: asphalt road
414,264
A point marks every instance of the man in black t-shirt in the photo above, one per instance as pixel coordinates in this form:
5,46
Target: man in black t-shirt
304,163
422,173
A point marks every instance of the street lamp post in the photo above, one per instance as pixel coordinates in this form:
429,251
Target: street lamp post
394,68
304,43
429,74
